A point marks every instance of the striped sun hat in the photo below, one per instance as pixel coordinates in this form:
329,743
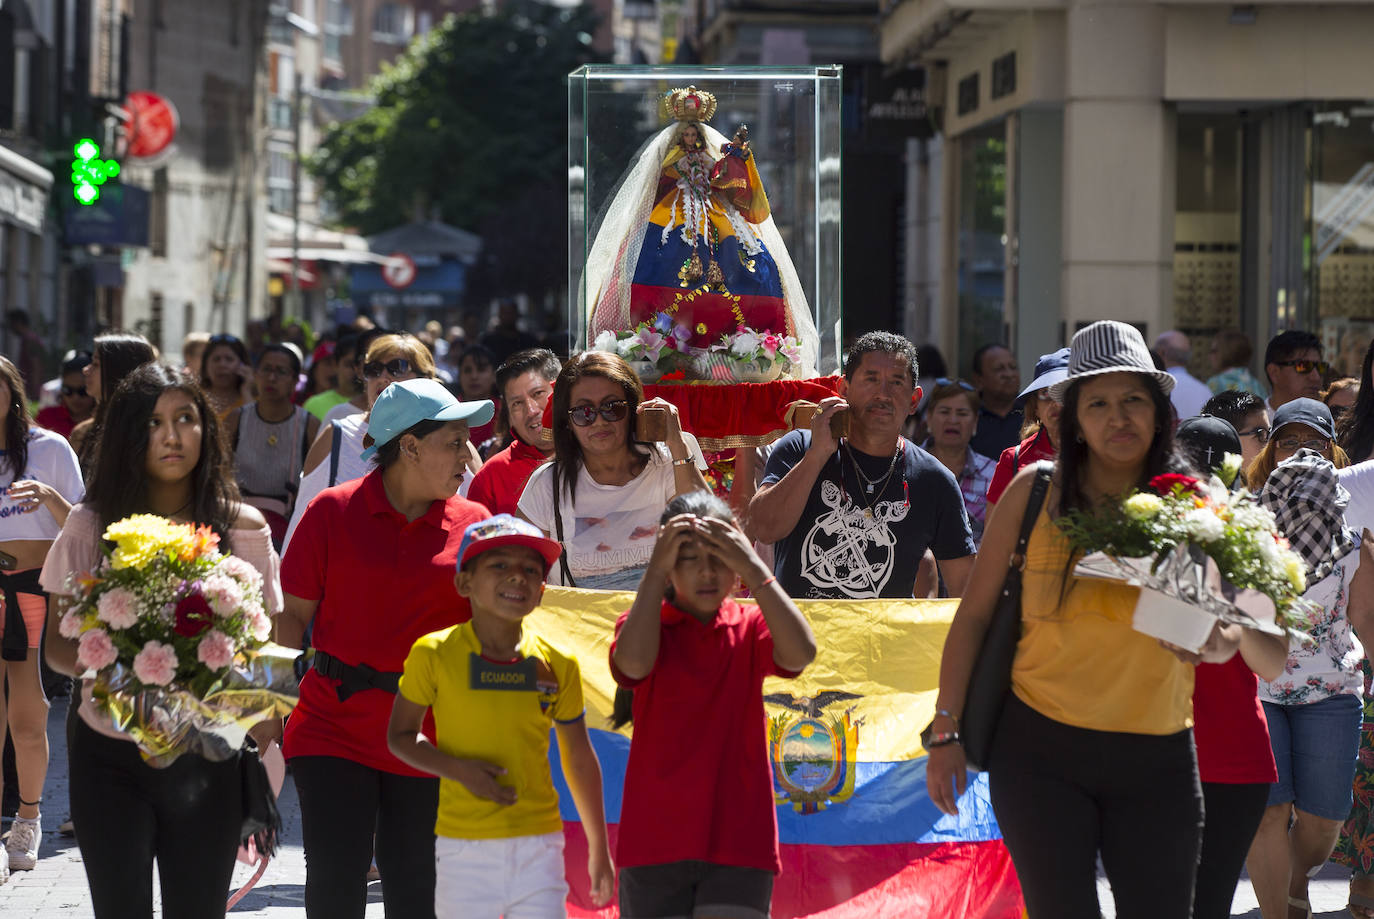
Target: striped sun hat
1109,347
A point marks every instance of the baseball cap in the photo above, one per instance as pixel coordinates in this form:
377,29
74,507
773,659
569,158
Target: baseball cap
405,404
505,530
1207,440
1310,412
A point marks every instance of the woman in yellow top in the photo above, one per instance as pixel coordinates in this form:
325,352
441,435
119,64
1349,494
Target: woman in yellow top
1094,752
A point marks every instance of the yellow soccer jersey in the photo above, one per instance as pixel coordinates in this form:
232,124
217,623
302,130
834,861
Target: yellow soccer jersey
498,712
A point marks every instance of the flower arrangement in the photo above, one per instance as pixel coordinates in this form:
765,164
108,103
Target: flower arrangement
168,622
652,347
760,354
1181,517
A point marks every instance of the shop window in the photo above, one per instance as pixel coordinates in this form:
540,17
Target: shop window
1340,244
1207,232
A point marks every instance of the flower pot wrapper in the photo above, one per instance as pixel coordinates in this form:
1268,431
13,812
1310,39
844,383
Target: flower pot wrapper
168,721
1183,580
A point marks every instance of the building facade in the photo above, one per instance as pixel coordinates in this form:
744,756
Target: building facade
1194,165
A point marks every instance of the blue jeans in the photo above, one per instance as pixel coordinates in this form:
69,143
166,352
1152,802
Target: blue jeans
1315,749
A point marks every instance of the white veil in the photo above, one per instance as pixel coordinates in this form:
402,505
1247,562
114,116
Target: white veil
604,295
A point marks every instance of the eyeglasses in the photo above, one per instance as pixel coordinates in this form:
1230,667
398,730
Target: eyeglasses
74,391
613,411
1295,444
946,381
1261,434
1303,367
398,367
274,372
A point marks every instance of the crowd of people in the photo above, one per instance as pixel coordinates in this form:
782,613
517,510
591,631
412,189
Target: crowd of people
474,474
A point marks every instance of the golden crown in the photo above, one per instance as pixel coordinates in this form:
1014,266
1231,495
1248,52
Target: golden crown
690,104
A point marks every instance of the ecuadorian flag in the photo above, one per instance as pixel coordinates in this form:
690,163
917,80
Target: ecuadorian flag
859,835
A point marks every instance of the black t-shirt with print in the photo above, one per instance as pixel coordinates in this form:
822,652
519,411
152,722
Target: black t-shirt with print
850,544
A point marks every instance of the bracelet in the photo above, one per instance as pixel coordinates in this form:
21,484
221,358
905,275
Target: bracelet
688,461
771,579
950,715
942,740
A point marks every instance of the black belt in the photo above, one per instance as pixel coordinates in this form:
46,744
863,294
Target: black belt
15,646
354,679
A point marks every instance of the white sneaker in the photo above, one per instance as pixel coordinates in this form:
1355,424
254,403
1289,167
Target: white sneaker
4,866
23,844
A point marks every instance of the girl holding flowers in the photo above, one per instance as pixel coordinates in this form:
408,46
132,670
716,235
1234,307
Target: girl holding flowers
1093,753
160,453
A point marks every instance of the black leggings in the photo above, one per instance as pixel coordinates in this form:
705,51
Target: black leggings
1233,815
342,804
187,816
1063,795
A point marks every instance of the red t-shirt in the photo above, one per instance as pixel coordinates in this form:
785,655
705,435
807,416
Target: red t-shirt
1229,729
501,480
699,763
1031,450
56,418
381,583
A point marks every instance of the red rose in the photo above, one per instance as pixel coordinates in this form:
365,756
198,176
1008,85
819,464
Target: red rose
1173,483
193,616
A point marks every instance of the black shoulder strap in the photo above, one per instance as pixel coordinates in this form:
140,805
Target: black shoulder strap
558,532
1044,471
334,453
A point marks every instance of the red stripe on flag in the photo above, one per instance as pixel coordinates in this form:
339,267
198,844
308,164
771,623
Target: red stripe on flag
956,880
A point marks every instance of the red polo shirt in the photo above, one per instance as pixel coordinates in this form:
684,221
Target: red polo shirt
699,757
501,480
381,582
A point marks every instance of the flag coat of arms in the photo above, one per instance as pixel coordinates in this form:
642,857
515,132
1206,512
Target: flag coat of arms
858,834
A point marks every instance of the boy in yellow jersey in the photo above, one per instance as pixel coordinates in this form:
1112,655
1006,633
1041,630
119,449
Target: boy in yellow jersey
495,688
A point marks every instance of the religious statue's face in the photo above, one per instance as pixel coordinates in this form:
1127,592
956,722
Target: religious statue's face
691,137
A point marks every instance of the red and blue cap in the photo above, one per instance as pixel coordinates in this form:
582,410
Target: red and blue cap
505,530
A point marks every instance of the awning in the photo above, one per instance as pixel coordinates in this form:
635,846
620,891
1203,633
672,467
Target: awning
345,256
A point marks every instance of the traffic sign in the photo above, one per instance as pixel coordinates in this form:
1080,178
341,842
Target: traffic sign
398,270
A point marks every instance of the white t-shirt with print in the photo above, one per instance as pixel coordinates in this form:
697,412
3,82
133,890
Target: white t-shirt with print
53,462
612,527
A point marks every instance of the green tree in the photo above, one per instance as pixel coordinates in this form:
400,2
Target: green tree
470,121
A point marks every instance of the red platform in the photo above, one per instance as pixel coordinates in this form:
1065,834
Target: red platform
726,416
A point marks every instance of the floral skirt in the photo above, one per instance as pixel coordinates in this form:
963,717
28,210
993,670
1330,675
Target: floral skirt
1355,849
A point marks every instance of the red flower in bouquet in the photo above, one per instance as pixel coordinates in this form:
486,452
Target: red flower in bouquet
193,615
1171,483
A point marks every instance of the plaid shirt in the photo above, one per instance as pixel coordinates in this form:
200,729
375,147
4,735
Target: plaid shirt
973,482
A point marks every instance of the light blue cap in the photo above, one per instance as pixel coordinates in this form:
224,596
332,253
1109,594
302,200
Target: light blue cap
403,405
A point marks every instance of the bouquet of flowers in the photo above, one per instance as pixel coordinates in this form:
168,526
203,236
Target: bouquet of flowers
1211,553
652,348
177,634
760,356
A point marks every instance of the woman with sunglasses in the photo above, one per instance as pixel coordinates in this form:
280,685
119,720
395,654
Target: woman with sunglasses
114,357
951,421
270,437
226,374
75,402
606,488
39,481
1040,430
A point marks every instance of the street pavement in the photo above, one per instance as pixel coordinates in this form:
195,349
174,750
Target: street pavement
57,887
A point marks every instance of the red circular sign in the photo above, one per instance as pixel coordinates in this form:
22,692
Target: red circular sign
152,124
398,270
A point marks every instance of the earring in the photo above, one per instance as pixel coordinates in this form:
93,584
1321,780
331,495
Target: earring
1078,437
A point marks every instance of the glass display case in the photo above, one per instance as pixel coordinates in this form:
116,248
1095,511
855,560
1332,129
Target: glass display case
769,222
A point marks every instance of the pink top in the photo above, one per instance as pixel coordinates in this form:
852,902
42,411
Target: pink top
77,550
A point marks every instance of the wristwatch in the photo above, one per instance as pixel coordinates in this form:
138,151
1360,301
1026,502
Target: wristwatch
930,738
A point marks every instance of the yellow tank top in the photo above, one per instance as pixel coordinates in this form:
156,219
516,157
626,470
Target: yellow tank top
1080,662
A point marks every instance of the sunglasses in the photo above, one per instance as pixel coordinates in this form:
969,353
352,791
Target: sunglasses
946,381
1295,443
1261,434
398,367
274,372
613,411
74,391
1306,366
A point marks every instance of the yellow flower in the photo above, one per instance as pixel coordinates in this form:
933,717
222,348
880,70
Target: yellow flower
1143,506
1293,570
141,538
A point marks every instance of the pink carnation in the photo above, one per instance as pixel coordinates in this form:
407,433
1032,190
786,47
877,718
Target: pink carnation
261,625
118,608
96,651
156,664
224,593
240,570
70,624
770,343
215,650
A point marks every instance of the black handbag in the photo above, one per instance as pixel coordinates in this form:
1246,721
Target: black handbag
261,819
990,680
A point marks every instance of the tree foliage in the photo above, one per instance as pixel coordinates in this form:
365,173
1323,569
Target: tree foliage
471,122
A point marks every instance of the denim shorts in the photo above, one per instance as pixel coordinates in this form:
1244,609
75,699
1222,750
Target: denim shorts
1316,747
